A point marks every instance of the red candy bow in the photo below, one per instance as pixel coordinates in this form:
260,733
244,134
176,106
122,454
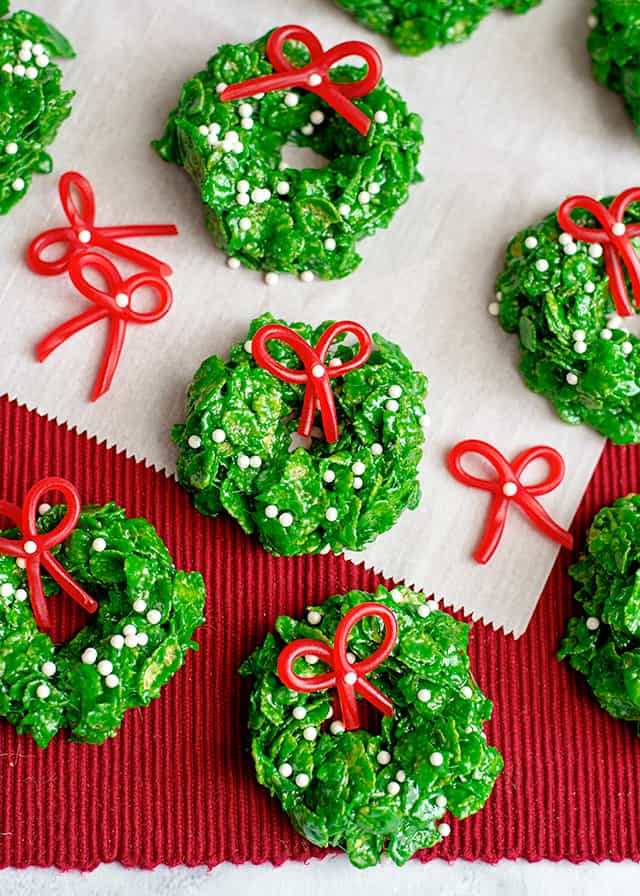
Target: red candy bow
615,238
315,75
82,233
34,548
348,678
507,487
315,376
113,304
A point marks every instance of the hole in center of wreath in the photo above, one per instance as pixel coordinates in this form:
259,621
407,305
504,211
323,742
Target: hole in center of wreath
67,618
299,157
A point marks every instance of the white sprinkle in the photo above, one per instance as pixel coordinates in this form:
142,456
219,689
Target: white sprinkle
218,436
271,278
358,468
243,461
214,128
392,405
42,61
21,594
436,759
299,713
286,519
291,100
396,595
242,199
99,545
314,617
374,188
493,308
49,669
441,801
245,110
6,589
244,224
19,70
122,300
395,391
531,242
302,780
444,829
383,757
425,420
220,87
315,80
401,776
238,148
572,379
105,667
466,692
89,656
233,263
357,483
112,681
596,250
258,96
542,265
84,236
589,287
335,362
154,616
117,641
18,185
24,55
592,623
606,333
330,243
27,44
271,511
393,788
318,371
44,508
246,124
316,117
336,727
212,139
509,489
618,229
312,660
283,187
307,130
131,641
377,449
351,657
143,639
247,347
364,197
204,130
194,441
328,476
307,276
380,117
139,606
344,210
627,348
11,149
310,733
565,238
592,21
331,514
8,68
43,691
579,335
570,249
580,347
286,770
424,695
350,678
255,462
423,611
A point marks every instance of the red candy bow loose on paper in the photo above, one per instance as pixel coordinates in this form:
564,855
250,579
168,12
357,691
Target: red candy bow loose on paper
315,376
82,234
348,678
34,548
615,239
113,304
315,75
507,487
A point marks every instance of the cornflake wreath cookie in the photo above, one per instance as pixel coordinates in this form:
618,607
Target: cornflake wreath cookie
268,216
365,792
236,447
614,45
563,289
416,26
32,102
604,642
145,614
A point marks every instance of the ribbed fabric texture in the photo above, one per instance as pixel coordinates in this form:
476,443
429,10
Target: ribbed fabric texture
177,785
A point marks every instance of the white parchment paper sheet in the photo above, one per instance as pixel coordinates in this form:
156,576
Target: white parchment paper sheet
513,123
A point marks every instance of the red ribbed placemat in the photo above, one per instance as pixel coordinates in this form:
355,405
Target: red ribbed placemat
177,786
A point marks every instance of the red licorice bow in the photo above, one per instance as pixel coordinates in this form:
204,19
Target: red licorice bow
615,239
34,548
82,234
315,75
314,375
348,678
114,305
507,487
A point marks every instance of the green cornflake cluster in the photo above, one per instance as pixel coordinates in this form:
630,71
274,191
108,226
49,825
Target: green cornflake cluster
575,350
273,218
32,102
134,644
236,447
370,793
604,644
614,45
416,26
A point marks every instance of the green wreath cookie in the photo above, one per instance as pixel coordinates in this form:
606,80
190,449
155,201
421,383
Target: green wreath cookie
367,792
137,640
32,102
614,45
236,446
416,26
555,293
604,642
265,215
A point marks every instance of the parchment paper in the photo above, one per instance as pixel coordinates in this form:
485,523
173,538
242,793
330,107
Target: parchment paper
513,123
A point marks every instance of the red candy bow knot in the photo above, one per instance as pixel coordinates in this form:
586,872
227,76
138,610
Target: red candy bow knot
348,678
315,376
615,238
315,75
113,304
508,487
34,548
82,233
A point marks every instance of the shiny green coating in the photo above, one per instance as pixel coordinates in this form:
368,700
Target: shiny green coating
288,231
32,107
608,577
346,803
546,308
614,45
416,26
258,413
135,565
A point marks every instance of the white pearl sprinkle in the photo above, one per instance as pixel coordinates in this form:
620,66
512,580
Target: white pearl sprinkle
6,589
244,224
316,117
233,263
396,595
311,660
423,611
383,757
117,641
84,236
122,300
243,461
580,347
154,616
542,265
194,441
336,727
285,519
11,149
18,185
105,667
618,229
579,335
307,130
531,242
392,405
131,641
344,210
43,691
318,371
315,80
350,678
363,197
401,776
627,348
466,692
218,436
302,780
221,87
248,347
358,468
380,117
42,61
393,788
44,508
89,656
246,124
592,21
330,244
444,829
245,110
143,639
49,669
570,249
331,514
596,250
441,801
307,276
99,545
592,623
377,449
21,594
271,511
357,483
310,733
286,770
509,489
589,287
572,379
24,55
328,476
291,100
436,759
112,681
606,333
351,657
424,695
204,130
395,391
299,713
129,629
493,308
374,188
271,278
283,187
242,199
19,70
565,238
314,617
8,68
255,462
